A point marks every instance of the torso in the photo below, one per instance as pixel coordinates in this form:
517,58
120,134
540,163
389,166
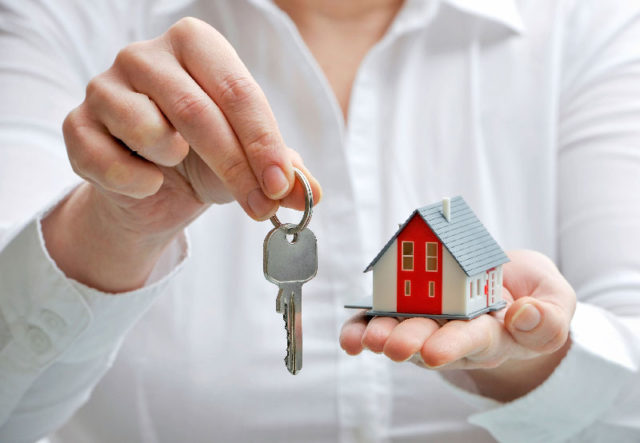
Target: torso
205,363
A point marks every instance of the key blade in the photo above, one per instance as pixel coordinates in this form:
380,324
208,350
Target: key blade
293,322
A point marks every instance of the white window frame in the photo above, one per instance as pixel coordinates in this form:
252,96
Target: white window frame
412,256
427,256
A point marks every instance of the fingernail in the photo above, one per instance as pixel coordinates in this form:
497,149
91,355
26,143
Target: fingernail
275,181
260,205
527,318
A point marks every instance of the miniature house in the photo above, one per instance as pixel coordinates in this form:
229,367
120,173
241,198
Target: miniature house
442,262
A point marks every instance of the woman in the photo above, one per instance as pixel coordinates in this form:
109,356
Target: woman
529,112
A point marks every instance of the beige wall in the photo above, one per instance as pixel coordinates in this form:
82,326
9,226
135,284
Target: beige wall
385,280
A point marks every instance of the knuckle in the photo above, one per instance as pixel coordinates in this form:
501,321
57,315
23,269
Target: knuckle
73,128
97,90
185,28
127,55
189,107
70,124
233,169
235,90
264,142
134,56
144,133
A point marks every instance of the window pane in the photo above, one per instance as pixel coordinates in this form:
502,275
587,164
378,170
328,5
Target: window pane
407,263
407,248
432,289
432,264
432,249
407,287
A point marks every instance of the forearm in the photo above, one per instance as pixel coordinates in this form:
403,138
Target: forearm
58,336
90,245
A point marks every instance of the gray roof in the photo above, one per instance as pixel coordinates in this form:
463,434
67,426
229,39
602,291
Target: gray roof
465,237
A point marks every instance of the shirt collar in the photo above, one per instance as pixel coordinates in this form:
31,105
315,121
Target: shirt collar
504,12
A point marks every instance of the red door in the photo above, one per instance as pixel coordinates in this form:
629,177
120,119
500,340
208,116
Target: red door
419,269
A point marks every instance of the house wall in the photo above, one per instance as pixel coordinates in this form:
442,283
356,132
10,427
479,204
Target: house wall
453,285
475,302
419,233
385,280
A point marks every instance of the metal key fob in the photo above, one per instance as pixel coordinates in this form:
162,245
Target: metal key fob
290,258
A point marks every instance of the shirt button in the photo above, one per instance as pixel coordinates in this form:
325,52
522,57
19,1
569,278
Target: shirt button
39,341
52,320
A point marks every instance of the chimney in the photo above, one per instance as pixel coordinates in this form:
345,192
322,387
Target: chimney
446,208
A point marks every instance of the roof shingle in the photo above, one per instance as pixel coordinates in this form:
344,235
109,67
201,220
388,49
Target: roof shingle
465,237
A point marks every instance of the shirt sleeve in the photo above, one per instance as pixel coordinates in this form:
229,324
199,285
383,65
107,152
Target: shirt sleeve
57,336
594,394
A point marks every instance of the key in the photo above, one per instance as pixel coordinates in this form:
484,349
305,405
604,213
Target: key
289,264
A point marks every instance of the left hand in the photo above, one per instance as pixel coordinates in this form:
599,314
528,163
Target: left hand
529,335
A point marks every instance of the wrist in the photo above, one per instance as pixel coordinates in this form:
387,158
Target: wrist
91,244
516,378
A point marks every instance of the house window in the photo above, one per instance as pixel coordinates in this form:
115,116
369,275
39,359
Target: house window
407,256
479,287
407,288
470,290
432,289
432,256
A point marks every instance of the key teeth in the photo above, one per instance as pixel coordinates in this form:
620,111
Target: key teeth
285,317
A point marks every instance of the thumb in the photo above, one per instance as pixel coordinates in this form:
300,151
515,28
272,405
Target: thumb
537,325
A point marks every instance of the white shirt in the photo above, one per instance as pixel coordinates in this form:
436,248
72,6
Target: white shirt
530,109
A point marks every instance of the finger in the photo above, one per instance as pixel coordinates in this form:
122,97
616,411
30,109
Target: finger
215,65
191,111
481,342
530,273
135,120
99,158
352,332
408,337
544,302
295,199
538,325
377,332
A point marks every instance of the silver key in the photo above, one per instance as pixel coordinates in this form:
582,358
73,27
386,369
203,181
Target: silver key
289,264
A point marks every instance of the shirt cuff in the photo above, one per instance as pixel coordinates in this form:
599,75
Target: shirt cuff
46,317
583,387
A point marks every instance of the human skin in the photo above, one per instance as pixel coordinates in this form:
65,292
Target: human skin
507,353
204,134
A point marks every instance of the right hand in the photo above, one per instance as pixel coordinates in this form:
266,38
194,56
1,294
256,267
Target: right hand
200,125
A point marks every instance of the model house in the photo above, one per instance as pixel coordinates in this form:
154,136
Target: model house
442,262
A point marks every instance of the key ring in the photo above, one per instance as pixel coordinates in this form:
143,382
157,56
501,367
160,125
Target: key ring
290,228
